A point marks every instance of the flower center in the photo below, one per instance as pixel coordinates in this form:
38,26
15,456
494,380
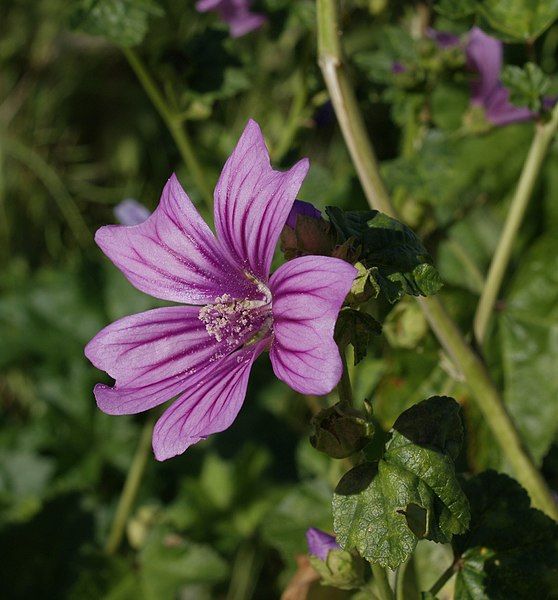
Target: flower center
237,322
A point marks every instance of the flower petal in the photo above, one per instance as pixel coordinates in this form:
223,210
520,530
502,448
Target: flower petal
320,543
210,406
173,255
252,202
152,356
484,56
500,111
308,293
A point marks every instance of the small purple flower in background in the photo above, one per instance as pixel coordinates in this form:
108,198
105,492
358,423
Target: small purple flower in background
203,353
485,57
234,12
302,208
320,543
443,39
131,212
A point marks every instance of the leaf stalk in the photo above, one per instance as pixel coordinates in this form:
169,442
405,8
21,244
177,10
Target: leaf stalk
544,133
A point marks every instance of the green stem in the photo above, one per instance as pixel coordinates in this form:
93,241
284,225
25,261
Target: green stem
443,579
382,583
523,193
400,580
346,107
174,122
130,489
483,390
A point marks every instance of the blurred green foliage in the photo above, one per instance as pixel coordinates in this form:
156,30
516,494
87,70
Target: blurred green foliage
78,135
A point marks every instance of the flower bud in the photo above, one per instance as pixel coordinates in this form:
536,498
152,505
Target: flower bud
337,568
340,431
305,232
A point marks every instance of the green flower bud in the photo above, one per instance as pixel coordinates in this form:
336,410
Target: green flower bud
340,431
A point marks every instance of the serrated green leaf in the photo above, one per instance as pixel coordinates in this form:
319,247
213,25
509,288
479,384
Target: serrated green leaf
511,550
401,263
382,508
124,22
528,329
527,85
519,19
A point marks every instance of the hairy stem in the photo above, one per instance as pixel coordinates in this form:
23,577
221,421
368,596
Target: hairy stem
174,123
535,158
483,389
382,582
130,489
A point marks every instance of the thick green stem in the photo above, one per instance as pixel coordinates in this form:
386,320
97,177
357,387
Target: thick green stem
174,123
483,390
346,107
130,489
523,193
442,580
382,582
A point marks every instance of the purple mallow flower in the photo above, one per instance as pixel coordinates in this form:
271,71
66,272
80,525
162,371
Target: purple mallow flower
484,57
320,543
202,353
302,208
236,13
131,212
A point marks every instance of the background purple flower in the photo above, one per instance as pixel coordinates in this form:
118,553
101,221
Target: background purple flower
443,39
131,212
485,57
234,12
320,543
203,353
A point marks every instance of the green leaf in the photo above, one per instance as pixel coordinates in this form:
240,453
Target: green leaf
519,19
511,550
528,329
357,328
527,85
124,22
382,509
401,263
